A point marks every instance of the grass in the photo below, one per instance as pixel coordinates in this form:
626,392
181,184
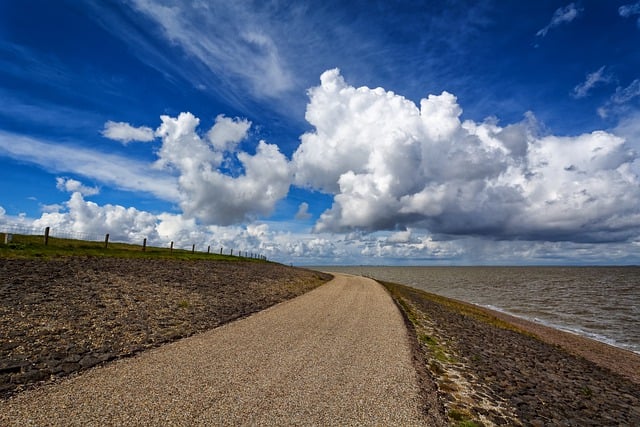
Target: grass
25,246
397,291
462,419
436,349
439,357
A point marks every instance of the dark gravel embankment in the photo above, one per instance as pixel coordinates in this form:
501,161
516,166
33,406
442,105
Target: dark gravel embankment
494,373
62,316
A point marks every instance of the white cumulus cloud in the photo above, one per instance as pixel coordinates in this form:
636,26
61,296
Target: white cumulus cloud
125,133
72,186
393,165
217,186
303,211
226,132
81,216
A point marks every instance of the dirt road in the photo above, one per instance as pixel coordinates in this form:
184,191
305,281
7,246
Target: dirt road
339,354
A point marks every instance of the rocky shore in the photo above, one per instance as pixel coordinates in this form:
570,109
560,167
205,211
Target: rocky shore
62,316
490,369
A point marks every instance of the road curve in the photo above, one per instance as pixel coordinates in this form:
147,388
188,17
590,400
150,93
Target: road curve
337,355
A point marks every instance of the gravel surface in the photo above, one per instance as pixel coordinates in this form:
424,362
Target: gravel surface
69,314
338,355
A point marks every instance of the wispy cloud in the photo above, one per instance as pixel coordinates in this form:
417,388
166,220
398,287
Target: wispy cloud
626,94
560,16
620,100
591,81
629,10
227,38
117,171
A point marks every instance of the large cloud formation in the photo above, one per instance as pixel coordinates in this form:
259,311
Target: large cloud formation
218,183
391,165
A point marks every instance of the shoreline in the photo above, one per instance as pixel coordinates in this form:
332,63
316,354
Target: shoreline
493,368
548,295
560,327
606,355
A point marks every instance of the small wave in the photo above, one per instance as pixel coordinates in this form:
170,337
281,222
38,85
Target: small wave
570,329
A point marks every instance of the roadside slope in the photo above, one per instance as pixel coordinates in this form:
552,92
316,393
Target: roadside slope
336,355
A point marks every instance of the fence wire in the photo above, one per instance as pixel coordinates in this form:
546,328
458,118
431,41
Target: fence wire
60,233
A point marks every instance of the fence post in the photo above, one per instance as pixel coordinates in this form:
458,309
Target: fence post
193,249
171,247
106,240
231,253
220,251
144,245
209,249
46,236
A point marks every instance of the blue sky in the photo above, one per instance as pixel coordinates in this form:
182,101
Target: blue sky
391,132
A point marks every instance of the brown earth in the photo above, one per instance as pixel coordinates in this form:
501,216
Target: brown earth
493,369
62,316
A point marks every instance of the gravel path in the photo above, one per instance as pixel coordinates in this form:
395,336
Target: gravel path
337,355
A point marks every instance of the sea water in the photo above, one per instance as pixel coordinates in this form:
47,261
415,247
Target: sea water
601,303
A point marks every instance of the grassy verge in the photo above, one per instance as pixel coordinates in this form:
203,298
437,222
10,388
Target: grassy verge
440,356
24,246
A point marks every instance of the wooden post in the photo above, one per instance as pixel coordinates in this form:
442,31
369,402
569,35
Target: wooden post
106,240
231,253
46,236
144,245
193,248
171,247
209,249
220,251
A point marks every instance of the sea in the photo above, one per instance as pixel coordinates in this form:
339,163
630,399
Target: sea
601,303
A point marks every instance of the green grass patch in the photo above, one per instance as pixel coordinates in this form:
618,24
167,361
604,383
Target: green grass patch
25,246
436,349
462,419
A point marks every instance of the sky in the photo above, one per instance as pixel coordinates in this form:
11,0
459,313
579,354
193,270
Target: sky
390,132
